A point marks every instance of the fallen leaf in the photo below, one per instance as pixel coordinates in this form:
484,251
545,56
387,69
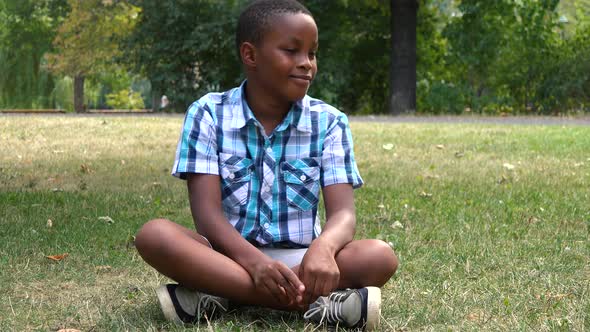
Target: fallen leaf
103,267
85,169
57,190
388,146
425,195
106,219
508,166
381,206
440,146
122,162
130,242
57,258
459,154
49,223
397,225
503,179
68,330
476,316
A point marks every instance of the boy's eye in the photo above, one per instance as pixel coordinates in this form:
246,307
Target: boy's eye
290,50
313,54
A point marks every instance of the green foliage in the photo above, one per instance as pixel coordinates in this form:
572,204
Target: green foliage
63,94
26,30
87,41
185,48
125,99
515,56
486,56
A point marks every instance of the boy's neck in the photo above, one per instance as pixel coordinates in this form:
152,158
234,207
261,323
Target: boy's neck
267,110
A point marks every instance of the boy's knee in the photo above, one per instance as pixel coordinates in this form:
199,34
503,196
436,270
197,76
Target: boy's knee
149,233
384,259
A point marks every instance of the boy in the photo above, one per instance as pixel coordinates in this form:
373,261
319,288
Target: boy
255,158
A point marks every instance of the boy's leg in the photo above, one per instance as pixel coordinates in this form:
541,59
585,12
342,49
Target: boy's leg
364,266
185,256
364,263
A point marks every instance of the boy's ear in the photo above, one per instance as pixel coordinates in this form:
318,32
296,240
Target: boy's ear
248,54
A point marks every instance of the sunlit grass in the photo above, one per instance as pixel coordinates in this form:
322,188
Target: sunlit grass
491,224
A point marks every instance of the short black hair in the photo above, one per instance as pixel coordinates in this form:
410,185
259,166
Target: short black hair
257,16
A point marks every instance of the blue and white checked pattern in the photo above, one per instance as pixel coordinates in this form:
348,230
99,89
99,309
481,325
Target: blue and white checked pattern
270,183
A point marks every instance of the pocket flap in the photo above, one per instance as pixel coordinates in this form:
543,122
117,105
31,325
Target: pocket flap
235,169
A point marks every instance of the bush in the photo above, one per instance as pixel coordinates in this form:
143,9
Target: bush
125,99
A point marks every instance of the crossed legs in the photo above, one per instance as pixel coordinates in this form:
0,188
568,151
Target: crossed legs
185,256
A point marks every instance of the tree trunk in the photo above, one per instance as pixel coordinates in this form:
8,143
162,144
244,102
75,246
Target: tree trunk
79,106
403,56
155,101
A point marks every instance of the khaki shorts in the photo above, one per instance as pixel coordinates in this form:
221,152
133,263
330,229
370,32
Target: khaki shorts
290,257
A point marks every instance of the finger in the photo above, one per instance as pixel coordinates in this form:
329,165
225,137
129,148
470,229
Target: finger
318,289
309,292
330,285
286,288
289,299
292,279
275,291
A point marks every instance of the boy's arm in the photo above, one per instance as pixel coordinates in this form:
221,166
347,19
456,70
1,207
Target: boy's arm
206,207
318,270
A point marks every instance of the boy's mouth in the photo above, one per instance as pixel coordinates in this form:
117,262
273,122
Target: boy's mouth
302,78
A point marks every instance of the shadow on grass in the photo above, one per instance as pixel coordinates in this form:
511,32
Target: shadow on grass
147,316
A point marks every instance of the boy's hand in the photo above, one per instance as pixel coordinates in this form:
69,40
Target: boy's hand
278,280
319,272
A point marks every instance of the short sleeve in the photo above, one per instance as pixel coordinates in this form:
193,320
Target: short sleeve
338,163
197,147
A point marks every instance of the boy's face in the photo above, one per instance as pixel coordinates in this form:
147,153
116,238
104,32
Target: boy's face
286,57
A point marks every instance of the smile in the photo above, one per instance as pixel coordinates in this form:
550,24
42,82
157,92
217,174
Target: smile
304,79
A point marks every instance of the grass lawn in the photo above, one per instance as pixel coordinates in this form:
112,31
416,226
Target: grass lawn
491,224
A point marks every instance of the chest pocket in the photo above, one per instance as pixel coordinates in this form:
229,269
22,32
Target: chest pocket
302,182
236,173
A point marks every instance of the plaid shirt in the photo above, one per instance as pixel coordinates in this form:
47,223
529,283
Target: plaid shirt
270,184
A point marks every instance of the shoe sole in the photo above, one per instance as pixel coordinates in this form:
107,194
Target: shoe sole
167,305
373,308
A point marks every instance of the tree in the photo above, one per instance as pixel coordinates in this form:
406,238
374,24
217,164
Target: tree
88,40
185,48
27,28
403,56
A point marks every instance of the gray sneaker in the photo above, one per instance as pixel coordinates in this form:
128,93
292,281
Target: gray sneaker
182,305
353,308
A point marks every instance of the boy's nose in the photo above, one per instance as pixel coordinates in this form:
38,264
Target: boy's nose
304,62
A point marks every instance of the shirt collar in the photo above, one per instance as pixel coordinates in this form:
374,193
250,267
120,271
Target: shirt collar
242,114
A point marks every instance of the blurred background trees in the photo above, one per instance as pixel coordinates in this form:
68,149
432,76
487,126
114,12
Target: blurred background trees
489,57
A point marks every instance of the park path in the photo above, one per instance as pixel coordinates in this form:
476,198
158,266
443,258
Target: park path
583,120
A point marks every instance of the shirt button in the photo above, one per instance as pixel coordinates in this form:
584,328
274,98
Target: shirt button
303,178
267,225
266,189
231,176
269,150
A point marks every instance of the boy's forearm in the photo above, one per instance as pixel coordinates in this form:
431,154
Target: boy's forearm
227,240
338,231
340,217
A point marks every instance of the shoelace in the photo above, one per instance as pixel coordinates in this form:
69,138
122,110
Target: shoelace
330,308
208,304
